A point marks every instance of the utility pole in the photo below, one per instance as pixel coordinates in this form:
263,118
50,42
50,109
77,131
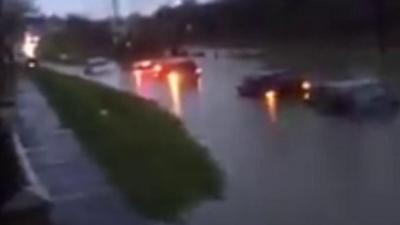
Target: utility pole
115,5
115,20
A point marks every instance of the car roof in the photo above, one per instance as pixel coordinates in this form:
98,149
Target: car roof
169,60
97,60
285,74
351,84
174,60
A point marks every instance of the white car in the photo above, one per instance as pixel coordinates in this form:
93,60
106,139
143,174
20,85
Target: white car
100,66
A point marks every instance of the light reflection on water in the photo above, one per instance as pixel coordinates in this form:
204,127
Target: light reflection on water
140,85
200,84
138,79
169,92
271,100
175,89
307,96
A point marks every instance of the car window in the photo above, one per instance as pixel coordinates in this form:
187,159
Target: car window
187,65
368,93
97,61
144,65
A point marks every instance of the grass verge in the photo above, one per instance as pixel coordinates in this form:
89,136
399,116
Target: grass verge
146,151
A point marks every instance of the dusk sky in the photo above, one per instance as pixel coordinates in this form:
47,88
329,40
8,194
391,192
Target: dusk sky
99,8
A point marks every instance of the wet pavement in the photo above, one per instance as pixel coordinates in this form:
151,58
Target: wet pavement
79,190
285,164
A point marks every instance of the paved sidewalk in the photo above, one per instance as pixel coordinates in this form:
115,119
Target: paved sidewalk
80,192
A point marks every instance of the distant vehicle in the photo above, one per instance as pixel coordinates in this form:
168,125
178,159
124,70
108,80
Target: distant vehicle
32,63
362,96
283,83
99,66
160,68
63,56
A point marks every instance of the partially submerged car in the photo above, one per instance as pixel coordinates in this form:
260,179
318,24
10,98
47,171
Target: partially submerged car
99,66
356,97
160,68
281,82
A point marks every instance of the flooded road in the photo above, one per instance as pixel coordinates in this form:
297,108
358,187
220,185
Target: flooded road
284,163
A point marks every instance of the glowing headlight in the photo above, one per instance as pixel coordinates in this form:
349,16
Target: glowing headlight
306,85
199,70
270,94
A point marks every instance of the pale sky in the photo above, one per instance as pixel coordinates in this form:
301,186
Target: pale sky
99,8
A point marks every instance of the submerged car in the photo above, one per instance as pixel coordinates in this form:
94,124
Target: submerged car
99,66
160,68
362,96
283,83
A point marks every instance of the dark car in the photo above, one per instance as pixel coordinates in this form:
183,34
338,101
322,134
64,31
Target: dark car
283,83
357,97
32,63
99,66
161,68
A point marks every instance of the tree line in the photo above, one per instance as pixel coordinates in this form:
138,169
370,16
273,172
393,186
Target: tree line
258,18
225,21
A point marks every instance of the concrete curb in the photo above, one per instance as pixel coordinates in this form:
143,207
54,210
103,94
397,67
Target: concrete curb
32,204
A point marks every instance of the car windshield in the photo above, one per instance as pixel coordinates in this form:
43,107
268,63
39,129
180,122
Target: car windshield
200,112
187,65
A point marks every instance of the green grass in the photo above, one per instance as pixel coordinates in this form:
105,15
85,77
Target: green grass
145,151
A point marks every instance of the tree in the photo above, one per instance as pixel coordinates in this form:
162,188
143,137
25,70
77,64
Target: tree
11,20
11,16
79,38
14,12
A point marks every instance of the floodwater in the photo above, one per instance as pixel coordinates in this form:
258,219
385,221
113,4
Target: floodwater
284,163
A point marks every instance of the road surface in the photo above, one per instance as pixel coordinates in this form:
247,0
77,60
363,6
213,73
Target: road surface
284,163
